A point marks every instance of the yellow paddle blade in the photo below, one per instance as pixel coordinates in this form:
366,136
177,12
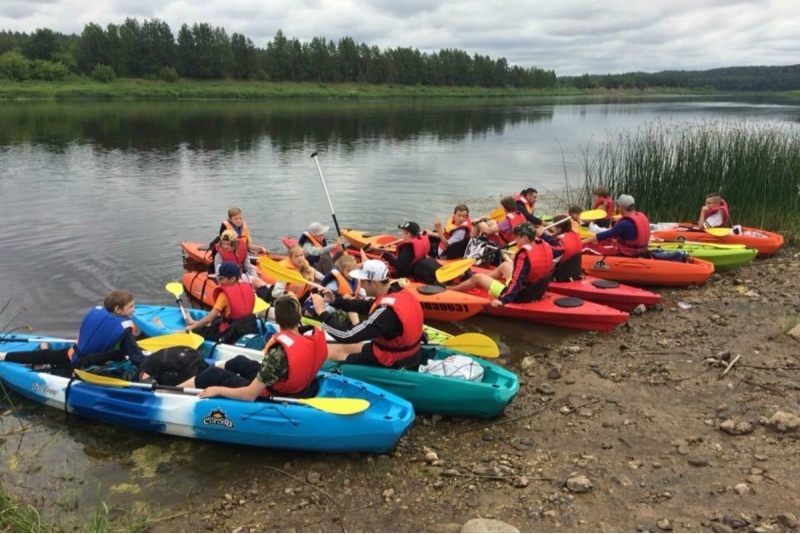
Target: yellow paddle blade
180,339
355,238
260,306
176,288
454,269
335,406
101,380
473,343
497,214
279,272
718,232
593,215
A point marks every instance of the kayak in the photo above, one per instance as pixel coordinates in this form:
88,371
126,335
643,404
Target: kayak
607,292
264,423
155,320
647,272
724,259
767,243
438,304
429,393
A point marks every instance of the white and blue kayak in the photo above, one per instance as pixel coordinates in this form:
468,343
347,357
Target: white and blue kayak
283,424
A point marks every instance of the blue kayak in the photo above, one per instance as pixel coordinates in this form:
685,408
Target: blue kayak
263,423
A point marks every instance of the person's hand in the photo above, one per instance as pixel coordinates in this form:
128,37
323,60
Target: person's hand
209,392
319,303
341,241
363,255
539,230
703,210
496,303
263,250
437,225
328,295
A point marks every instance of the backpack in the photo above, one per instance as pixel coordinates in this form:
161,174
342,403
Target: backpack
483,251
173,365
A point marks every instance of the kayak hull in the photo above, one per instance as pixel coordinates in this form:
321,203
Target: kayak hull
724,259
261,423
647,272
622,297
766,243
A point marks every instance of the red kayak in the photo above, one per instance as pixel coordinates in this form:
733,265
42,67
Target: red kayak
767,243
607,292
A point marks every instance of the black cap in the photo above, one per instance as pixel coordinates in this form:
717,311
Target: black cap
411,227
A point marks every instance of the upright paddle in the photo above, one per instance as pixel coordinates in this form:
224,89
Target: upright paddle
471,343
343,406
325,187
176,288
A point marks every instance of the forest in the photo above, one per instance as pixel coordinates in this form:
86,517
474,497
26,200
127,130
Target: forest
150,50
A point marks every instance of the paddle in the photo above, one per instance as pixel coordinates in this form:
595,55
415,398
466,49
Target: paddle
260,305
735,246
718,232
592,215
325,187
497,214
176,288
152,344
471,343
283,274
342,406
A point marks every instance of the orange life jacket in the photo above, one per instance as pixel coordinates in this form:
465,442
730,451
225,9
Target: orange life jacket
300,290
304,355
638,246
237,255
345,287
420,244
726,216
540,257
451,227
409,310
609,206
571,245
241,299
245,231
521,198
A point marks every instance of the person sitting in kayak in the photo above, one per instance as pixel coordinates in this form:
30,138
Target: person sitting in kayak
233,308
502,233
630,235
454,236
526,203
296,260
340,282
232,249
316,247
236,223
567,249
393,330
526,276
715,213
574,213
290,365
602,201
106,333
411,257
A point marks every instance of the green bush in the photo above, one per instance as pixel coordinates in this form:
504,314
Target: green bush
48,70
14,66
103,73
167,74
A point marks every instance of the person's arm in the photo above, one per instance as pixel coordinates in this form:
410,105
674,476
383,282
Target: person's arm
614,231
217,262
278,289
274,368
381,322
521,268
131,348
533,219
402,261
556,244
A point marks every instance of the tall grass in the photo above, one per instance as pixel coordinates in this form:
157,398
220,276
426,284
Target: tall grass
670,168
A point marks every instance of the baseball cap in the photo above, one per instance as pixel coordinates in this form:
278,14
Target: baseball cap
371,270
316,228
411,227
525,229
228,269
625,201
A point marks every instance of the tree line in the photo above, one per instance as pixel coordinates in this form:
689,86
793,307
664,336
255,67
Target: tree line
203,52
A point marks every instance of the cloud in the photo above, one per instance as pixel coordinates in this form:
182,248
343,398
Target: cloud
568,36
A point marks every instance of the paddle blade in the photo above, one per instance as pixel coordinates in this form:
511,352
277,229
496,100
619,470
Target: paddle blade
497,214
180,339
473,343
718,232
260,306
91,378
336,406
593,215
454,269
280,273
176,288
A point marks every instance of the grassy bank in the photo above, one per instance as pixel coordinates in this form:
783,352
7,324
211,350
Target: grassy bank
19,517
670,168
252,90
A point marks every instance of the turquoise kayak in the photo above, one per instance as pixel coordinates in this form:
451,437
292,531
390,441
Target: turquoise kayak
724,258
263,423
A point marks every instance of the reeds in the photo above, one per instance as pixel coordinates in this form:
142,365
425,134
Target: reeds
670,168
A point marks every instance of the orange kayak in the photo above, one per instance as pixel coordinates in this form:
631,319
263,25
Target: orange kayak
647,272
767,243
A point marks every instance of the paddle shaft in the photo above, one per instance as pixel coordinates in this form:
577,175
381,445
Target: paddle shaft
325,187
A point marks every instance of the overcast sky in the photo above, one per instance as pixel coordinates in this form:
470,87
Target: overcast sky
568,36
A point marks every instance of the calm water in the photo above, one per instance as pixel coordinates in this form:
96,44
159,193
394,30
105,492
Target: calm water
99,195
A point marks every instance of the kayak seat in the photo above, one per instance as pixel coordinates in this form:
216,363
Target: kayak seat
605,284
568,302
430,289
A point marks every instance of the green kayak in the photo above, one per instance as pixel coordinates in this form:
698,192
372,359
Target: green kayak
724,257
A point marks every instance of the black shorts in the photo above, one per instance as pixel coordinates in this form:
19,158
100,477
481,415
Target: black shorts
366,357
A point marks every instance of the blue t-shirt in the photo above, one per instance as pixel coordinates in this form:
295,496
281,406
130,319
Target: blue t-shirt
624,229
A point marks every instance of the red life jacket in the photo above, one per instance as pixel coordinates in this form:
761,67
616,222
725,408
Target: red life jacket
521,198
245,231
304,355
241,299
409,310
540,257
638,246
514,218
300,290
237,255
420,244
723,208
344,284
571,245
451,227
609,205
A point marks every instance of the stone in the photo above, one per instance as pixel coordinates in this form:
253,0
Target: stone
545,389
431,457
741,488
795,332
527,364
578,484
736,428
313,477
640,309
784,422
720,527
488,525
788,520
664,524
